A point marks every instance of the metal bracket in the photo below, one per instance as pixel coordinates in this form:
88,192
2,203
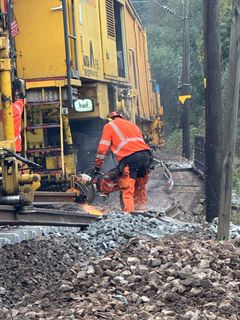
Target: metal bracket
3,42
5,65
64,111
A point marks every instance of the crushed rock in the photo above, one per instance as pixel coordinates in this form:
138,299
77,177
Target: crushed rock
119,268
34,265
178,277
235,200
116,228
234,230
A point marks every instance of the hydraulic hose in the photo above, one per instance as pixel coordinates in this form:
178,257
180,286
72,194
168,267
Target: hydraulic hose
24,160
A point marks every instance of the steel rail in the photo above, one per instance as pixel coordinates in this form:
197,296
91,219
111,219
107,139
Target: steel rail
173,211
44,217
52,204
168,176
51,196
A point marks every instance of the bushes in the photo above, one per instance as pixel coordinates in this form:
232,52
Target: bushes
174,140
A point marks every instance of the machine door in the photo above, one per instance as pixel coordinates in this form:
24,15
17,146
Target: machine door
113,38
72,36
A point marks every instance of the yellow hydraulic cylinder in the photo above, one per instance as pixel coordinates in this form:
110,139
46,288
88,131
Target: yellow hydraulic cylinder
9,166
67,130
34,180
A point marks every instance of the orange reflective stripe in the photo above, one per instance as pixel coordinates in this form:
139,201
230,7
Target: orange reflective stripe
123,143
18,138
117,130
121,136
105,142
18,108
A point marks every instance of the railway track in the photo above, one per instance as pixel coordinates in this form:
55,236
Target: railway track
17,227
182,192
49,212
18,224
44,217
173,211
35,221
41,213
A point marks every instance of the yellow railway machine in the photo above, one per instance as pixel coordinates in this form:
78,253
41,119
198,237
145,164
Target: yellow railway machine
80,59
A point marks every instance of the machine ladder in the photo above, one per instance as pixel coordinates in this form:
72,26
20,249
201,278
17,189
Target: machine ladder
38,123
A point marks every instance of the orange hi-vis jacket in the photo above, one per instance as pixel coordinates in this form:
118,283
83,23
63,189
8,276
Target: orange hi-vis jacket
123,137
18,106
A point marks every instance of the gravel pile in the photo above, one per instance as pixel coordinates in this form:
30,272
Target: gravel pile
116,228
33,266
234,230
108,272
235,201
175,278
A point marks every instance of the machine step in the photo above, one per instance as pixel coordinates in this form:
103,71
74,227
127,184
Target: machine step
44,150
43,103
48,172
44,126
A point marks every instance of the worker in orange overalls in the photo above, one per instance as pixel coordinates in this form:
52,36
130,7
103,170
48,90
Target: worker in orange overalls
127,144
18,106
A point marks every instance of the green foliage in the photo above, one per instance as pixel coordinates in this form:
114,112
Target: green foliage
165,50
225,24
172,141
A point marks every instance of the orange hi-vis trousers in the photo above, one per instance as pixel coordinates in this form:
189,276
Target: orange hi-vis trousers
133,191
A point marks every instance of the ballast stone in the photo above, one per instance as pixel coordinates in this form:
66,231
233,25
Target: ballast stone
116,228
194,275
2,291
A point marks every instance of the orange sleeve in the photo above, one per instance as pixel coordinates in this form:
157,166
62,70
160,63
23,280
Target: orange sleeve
19,104
103,145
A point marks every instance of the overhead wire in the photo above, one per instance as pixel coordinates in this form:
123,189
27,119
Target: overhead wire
166,8
144,7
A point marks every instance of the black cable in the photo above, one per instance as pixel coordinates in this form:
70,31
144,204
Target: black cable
18,157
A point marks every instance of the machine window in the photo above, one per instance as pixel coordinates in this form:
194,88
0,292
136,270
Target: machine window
119,30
